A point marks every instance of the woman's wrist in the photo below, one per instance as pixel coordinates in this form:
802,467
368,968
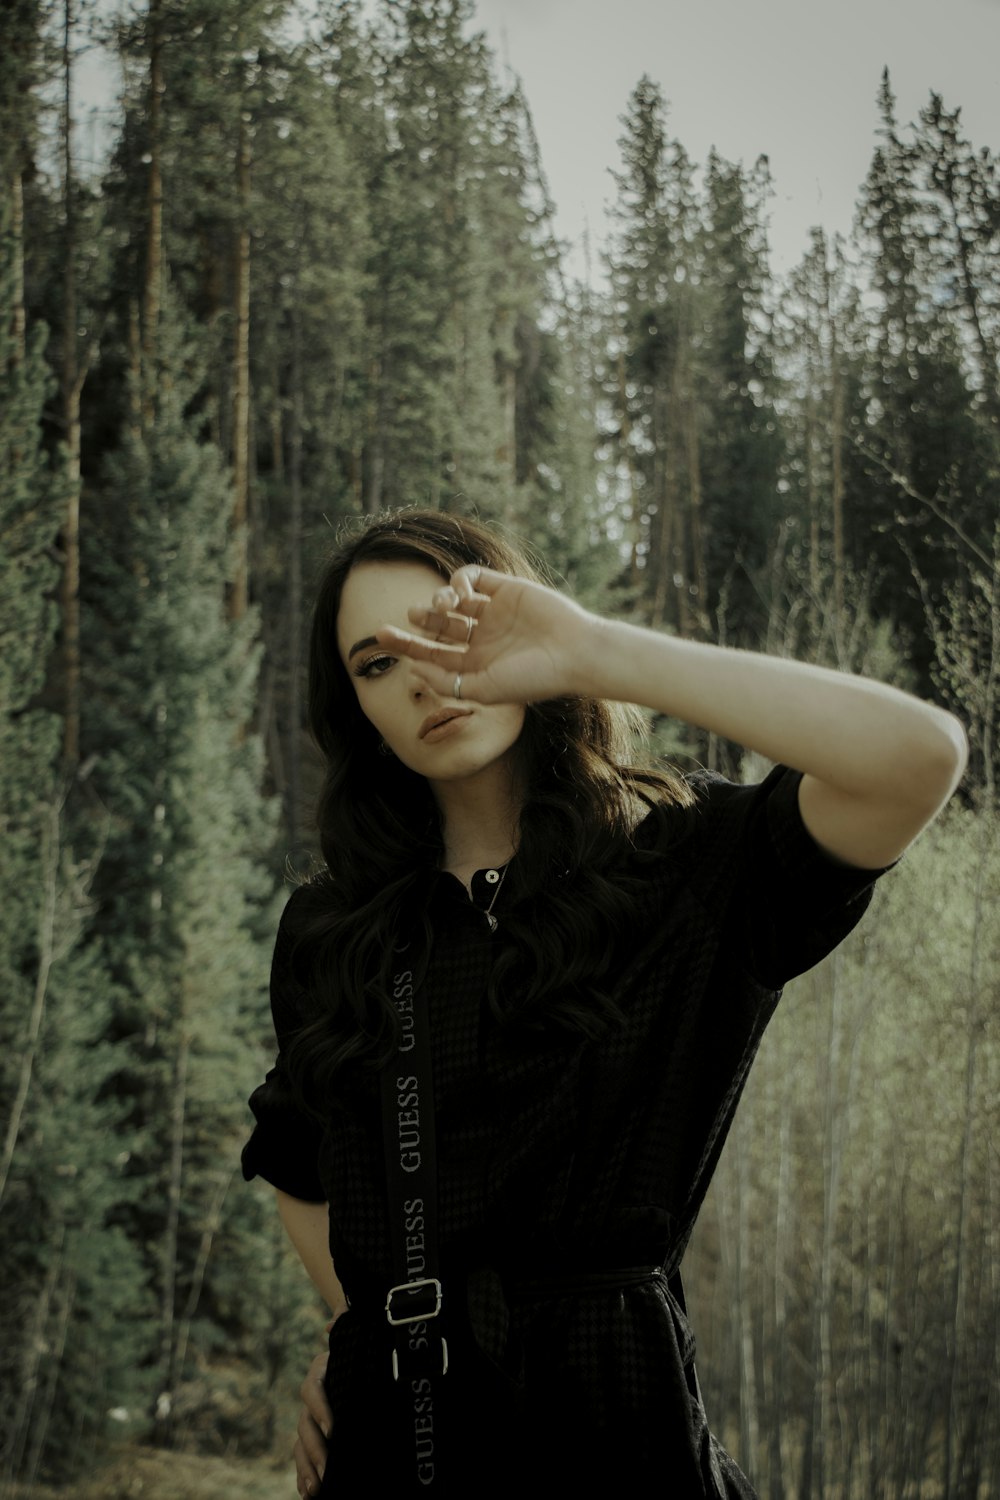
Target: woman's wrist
605,661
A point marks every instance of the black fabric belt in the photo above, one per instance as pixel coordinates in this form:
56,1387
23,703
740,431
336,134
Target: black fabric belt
484,1296
579,1283
368,1294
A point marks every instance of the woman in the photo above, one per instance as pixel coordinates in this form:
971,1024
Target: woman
588,952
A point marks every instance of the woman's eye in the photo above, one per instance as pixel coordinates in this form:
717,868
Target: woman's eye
375,666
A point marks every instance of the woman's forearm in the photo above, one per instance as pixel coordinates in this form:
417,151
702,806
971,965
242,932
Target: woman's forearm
308,1228
887,761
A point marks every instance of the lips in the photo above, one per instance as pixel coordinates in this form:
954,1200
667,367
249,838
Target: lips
443,716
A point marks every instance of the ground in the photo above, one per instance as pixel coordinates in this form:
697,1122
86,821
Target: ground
136,1473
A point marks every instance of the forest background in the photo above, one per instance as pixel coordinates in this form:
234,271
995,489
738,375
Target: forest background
351,295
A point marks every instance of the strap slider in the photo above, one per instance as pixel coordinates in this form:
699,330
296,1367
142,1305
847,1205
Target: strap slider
410,1287
444,1360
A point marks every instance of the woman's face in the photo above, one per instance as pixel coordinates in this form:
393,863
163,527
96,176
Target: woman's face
439,738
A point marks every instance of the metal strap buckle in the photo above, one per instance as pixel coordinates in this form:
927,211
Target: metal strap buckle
413,1286
444,1360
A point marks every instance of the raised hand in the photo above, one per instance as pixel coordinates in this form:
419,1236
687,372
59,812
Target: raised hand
509,640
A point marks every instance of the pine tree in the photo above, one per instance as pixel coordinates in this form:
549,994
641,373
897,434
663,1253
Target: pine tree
925,456
734,444
182,882
29,519
821,336
650,264
64,1269
308,312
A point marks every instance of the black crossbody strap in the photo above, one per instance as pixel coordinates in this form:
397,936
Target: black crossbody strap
414,1303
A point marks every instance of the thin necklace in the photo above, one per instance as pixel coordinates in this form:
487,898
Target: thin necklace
491,919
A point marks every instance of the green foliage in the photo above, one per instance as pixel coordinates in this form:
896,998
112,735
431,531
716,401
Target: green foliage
810,467
689,382
61,1177
183,896
858,1186
21,74
928,454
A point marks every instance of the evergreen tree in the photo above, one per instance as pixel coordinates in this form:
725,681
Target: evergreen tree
924,460
821,336
689,381
459,272
651,264
308,320
734,445
182,883
65,1271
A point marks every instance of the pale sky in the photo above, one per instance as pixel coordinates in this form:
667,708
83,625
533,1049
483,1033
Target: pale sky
790,79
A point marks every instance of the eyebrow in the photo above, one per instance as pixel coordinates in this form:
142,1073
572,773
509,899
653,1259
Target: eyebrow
369,640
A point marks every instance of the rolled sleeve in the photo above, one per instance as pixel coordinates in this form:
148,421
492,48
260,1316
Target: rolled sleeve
782,902
804,902
285,1145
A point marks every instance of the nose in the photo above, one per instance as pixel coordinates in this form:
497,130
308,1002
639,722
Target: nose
419,688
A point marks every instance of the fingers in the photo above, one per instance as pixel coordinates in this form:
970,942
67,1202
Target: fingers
313,1393
455,608
310,1456
464,583
440,653
308,1477
453,627
474,582
448,601
314,1425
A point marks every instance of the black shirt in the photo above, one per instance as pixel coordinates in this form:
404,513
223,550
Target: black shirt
558,1153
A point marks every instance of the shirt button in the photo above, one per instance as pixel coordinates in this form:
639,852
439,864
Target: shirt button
492,876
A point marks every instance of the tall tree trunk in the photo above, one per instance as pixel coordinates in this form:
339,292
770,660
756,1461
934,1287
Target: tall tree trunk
625,448
239,594
18,322
837,462
694,505
295,715
782,1236
50,851
379,378
211,1228
171,1230
812,501
72,381
34,1349
957,1319
667,539
56,1349
680,573
749,1424
824,1300
154,223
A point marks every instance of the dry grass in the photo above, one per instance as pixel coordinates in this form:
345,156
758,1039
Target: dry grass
152,1474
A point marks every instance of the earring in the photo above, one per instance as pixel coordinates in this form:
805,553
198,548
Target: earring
383,749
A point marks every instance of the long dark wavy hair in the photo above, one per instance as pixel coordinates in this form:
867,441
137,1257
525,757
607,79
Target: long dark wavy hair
380,836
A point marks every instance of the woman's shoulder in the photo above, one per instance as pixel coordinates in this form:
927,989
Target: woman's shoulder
667,817
312,896
714,809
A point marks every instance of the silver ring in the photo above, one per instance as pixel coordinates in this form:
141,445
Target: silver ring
457,694
469,623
